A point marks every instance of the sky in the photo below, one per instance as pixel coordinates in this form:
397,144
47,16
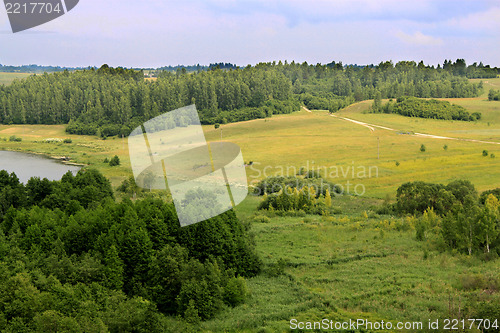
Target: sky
155,33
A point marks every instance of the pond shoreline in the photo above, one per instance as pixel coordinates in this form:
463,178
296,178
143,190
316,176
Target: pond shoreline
27,165
63,159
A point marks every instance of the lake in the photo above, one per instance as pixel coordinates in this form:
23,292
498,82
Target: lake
26,166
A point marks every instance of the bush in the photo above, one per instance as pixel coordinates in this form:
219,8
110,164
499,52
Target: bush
68,141
261,219
485,153
494,95
313,174
115,161
235,291
422,148
423,108
274,184
15,139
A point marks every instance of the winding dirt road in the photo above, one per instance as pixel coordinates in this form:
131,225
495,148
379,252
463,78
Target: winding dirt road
372,128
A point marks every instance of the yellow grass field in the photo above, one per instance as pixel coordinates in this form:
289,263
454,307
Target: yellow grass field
7,78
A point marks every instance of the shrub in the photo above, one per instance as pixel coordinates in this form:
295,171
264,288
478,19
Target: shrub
485,153
261,219
15,139
445,147
115,161
422,148
235,291
313,174
423,108
68,141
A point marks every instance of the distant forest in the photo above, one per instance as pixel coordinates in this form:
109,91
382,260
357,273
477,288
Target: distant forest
113,101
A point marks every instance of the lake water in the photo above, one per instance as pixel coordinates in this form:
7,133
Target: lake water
26,166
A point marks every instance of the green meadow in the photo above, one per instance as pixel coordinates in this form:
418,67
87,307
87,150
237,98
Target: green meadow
7,78
352,265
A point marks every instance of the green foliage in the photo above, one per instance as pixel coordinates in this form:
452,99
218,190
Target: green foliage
422,148
261,219
67,140
485,195
14,138
494,95
235,291
129,186
313,174
115,161
111,266
275,184
307,200
423,108
454,213
485,153
417,197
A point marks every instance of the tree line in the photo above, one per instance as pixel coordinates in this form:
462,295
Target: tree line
113,101
74,259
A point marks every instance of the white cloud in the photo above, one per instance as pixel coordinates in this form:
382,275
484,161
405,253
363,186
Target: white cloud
487,21
419,38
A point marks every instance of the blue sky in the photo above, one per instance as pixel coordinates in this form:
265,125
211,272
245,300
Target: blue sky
153,33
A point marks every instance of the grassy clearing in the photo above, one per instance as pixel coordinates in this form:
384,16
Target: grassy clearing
348,266
85,150
283,144
488,128
7,78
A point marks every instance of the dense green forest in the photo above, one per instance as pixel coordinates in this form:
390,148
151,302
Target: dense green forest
423,108
108,101
73,259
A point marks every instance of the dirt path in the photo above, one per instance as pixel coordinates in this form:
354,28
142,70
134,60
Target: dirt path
306,109
372,128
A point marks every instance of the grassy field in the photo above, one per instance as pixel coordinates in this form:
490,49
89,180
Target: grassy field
86,150
355,265
7,78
